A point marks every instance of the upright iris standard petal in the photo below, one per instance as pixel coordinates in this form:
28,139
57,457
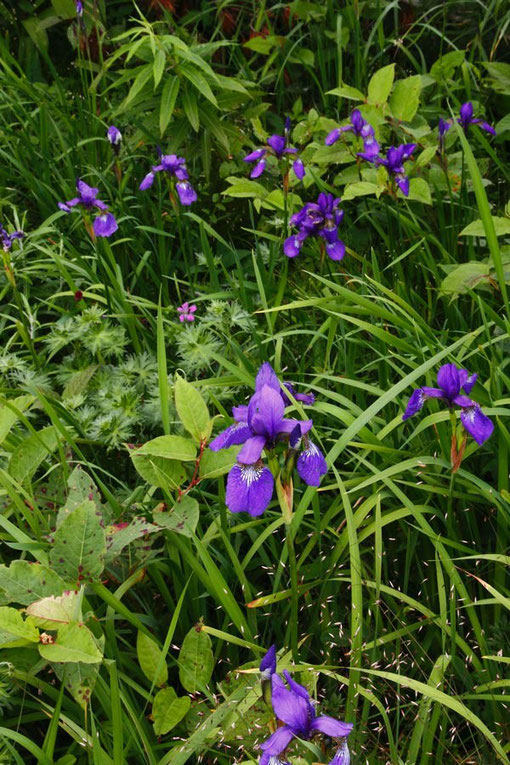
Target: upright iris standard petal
265,413
477,424
105,225
249,489
311,464
290,707
268,664
187,193
449,380
277,143
266,376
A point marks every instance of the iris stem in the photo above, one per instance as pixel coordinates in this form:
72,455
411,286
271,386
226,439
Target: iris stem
293,623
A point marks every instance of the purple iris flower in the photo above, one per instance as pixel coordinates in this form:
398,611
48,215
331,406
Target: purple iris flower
268,664
360,128
87,198
452,381
175,167
277,145
342,755
8,239
294,708
260,426
466,119
394,163
79,9
320,218
105,224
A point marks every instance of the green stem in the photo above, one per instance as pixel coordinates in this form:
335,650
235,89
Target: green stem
293,623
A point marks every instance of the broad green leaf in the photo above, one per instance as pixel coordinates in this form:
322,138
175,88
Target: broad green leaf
149,657
405,98
158,67
66,9
118,536
332,155
345,91
196,661
276,200
37,32
30,453
168,710
139,83
465,277
81,487
419,190
13,628
426,156
445,66
52,612
168,100
74,643
170,447
182,518
476,228
199,82
215,464
192,410
158,471
79,679
360,189
8,416
79,545
243,188
23,582
499,72
189,101
380,85
264,45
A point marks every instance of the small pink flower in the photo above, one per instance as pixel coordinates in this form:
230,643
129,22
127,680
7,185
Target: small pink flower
186,312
